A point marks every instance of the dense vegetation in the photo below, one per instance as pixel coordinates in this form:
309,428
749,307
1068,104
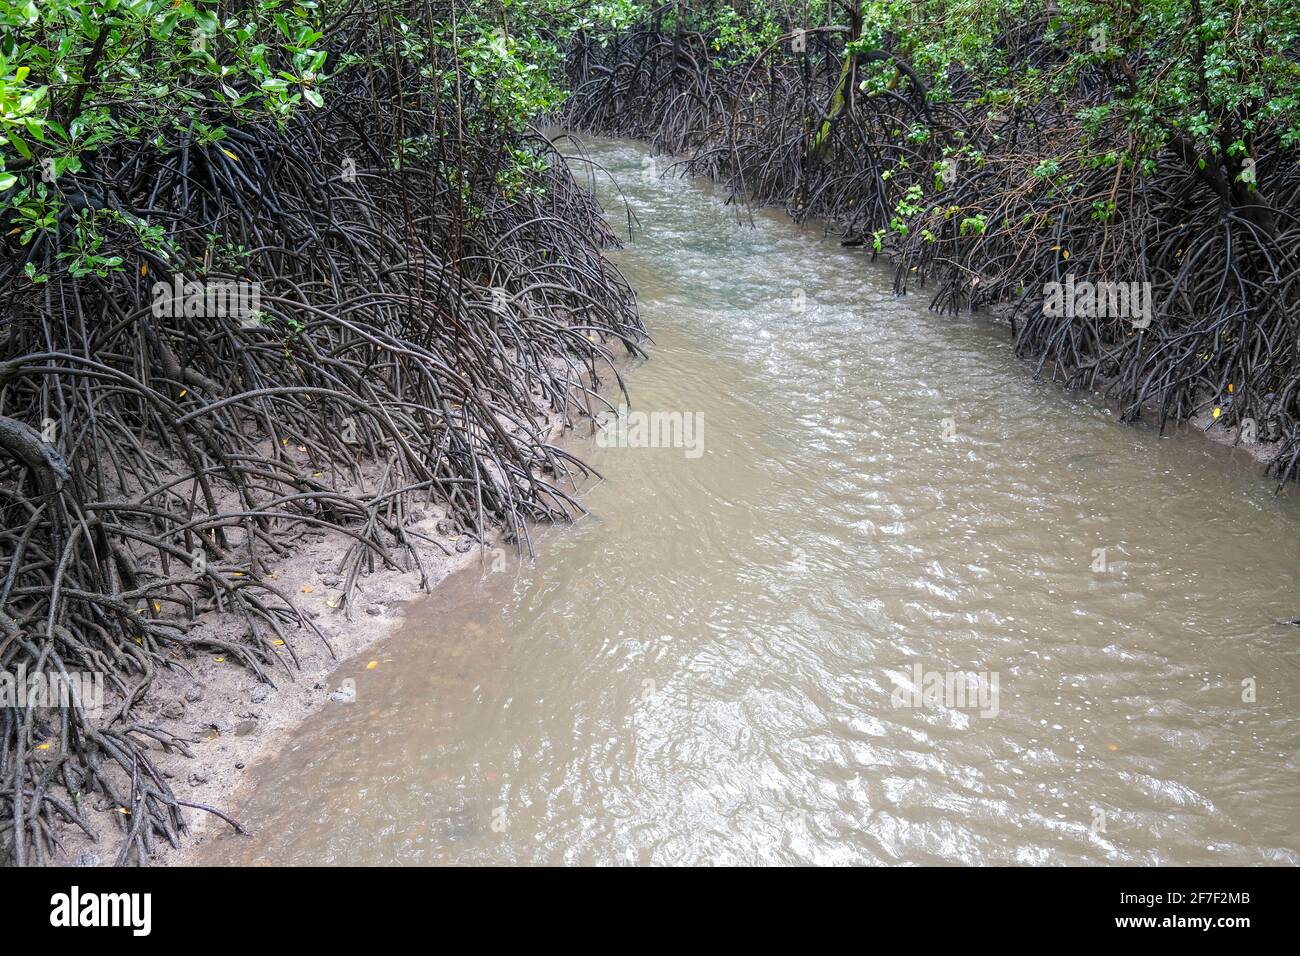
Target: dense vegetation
1000,151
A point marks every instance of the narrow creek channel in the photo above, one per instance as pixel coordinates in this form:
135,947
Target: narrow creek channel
708,669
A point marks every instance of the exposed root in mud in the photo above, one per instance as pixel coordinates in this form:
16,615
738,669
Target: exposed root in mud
414,332
969,200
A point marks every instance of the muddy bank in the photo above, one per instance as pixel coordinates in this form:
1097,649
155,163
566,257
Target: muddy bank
223,723
230,721
207,722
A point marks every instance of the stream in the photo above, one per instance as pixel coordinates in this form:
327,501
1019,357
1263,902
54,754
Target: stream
881,598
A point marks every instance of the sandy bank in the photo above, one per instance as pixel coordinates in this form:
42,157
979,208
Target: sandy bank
231,721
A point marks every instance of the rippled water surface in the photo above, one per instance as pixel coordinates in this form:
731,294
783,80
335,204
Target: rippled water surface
708,669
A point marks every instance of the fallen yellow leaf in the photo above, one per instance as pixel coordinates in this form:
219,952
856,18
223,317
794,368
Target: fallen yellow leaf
372,665
230,154
307,589
43,747
1217,412
219,660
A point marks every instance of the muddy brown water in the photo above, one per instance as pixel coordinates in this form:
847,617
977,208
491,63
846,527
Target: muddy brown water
717,666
